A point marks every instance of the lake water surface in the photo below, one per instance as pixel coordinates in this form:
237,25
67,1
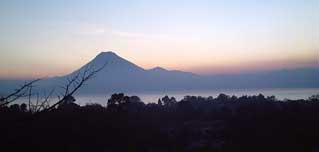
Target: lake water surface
148,97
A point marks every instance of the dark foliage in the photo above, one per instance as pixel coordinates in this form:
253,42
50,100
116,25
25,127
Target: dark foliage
225,123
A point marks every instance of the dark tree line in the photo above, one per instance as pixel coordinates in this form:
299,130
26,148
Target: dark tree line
195,123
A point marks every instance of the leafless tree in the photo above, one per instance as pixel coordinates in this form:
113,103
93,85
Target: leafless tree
18,93
74,84
40,103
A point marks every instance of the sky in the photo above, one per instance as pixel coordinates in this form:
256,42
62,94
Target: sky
42,38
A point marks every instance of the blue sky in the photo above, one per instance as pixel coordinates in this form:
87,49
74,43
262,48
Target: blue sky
46,38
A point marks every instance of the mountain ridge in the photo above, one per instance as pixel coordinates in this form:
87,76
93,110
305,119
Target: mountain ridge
121,75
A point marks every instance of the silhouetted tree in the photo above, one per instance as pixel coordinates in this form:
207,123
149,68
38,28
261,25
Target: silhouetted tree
222,97
75,83
314,97
134,99
120,102
116,99
173,100
159,102
68,103
166,100
18,93
23,107
15,107
196,123
93,107
271,98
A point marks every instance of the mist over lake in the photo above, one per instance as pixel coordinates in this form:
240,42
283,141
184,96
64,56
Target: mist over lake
152,97
149,97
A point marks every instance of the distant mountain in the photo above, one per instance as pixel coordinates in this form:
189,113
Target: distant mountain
120,75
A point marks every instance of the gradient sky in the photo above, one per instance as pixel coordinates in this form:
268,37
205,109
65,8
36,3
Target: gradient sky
54,37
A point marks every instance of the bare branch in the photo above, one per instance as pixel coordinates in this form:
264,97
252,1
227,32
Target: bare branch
18,93
76,83
30,94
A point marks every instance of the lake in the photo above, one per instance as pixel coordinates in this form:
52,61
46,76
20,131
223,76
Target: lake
148,97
